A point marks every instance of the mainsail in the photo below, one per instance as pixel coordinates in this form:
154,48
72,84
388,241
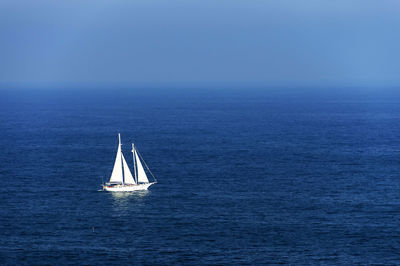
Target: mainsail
142,177
116,176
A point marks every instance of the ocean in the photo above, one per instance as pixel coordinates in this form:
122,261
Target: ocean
244,177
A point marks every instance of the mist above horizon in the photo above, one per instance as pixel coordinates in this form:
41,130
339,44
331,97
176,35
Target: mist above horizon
205,43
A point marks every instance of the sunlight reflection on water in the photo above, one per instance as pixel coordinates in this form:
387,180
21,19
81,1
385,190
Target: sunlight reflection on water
123,201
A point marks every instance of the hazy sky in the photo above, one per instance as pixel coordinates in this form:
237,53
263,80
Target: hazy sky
195,43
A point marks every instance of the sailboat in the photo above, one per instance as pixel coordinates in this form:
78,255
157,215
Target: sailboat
122,179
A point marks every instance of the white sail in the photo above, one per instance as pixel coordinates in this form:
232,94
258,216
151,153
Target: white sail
142,177
116,176
127,173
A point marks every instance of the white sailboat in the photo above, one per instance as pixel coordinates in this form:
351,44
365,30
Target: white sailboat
121,178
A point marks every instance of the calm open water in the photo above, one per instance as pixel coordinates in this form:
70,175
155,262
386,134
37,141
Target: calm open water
244,178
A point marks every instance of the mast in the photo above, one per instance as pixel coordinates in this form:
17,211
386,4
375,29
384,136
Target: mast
134,162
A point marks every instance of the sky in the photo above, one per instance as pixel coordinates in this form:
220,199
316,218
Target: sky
264,43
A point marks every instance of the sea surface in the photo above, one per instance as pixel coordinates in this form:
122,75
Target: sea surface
244,177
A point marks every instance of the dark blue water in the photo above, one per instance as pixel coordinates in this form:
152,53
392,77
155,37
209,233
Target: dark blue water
244,178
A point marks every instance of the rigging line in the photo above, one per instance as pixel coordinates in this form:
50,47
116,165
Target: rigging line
145,164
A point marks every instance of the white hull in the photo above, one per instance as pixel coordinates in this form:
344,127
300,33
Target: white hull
121,188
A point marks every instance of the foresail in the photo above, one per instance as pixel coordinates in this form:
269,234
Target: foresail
127,173
116,176
142,177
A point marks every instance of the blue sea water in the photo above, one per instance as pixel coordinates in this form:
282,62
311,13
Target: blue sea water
245,177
